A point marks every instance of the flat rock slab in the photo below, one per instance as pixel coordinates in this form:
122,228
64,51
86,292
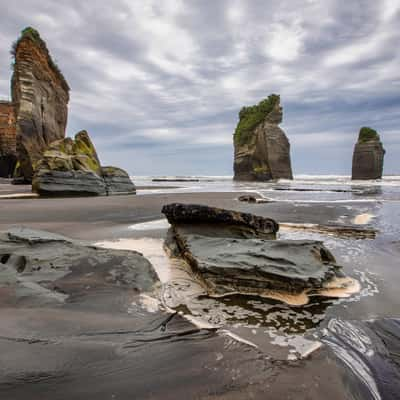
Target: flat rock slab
254,265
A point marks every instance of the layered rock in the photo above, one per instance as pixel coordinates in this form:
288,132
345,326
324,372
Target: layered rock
8,154
40,94
262,150
72,167
235,252
368,155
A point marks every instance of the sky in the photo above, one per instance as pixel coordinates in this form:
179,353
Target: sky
158,84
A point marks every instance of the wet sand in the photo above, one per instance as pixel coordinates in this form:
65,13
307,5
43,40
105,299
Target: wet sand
62,352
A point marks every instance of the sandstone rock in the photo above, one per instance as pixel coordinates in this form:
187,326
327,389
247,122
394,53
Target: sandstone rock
233,253
262,150
40,94
8,155
368,155
72,167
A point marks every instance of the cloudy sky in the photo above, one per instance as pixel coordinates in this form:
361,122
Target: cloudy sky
158,83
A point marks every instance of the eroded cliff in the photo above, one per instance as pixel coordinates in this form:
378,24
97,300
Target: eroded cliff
40,94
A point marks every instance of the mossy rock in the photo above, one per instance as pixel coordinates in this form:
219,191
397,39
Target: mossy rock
251,117
368,134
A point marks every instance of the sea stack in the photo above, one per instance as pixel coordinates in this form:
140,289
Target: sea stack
40,95
368,155
262,150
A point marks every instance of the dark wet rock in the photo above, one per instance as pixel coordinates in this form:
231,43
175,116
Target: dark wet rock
262,150
72,167
38,265
219,221
256,265
117,181
248,198
253,199
229,260
368,156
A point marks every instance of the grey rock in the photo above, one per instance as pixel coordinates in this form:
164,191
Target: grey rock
69,183
368,160
117,181
231,252
43,268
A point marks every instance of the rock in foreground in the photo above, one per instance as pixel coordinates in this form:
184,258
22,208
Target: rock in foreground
217,221
368,155
262,150
72,167
229,260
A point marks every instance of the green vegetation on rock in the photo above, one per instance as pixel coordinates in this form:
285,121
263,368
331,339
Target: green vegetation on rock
34,35
250,117
366,134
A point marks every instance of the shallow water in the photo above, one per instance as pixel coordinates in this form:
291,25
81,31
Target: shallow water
291,332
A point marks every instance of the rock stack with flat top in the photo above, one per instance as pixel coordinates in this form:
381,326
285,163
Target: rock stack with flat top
262,150
368,155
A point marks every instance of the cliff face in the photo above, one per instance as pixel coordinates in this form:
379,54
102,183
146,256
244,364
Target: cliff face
262,150
8,156
368,156
41,96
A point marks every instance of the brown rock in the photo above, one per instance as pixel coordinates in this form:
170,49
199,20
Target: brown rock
8,155
41,95
262,150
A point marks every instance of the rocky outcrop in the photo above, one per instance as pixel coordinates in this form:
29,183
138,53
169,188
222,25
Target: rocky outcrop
368,155
233,252
262,150
72,167
230,223
8,155
41,95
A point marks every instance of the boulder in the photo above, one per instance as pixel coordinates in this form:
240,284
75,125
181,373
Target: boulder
218,221
233,252
368,155
40,95
117,181
72,167
262,150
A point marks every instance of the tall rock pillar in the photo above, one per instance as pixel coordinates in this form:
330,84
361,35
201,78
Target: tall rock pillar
262,150
40,94
368,155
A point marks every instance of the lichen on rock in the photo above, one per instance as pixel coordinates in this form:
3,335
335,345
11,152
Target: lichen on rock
72,167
